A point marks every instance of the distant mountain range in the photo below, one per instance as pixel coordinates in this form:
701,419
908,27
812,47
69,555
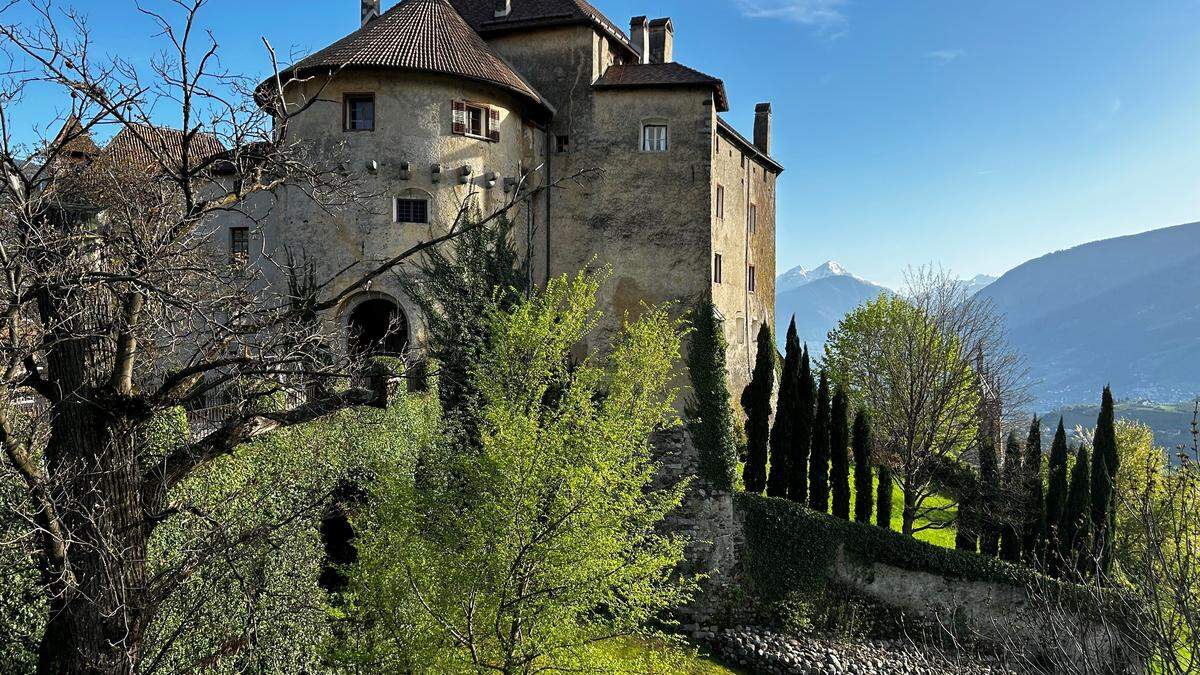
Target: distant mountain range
1124,311
818,299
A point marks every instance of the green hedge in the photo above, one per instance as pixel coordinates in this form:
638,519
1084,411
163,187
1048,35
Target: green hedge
791,551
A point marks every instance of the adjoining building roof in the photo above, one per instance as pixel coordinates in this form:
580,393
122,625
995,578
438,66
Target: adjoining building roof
424,35
481,15
75,139
656,75
748,147
140,147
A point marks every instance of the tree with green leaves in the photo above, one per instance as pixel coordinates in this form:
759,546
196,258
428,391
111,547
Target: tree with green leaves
1013,486
1035,496
883,498
1056,491
864,497
756,401
818,467
1074,552
806,399
567,551
710,410
989,497
839,460
1106,462
783,435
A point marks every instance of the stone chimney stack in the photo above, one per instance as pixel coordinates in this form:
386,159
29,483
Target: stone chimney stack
639,35
662,41
762,127
503,8
370,11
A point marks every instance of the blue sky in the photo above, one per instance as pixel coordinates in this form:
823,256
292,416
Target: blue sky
973,135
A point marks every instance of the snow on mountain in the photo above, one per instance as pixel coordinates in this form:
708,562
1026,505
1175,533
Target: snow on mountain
980,282
798,276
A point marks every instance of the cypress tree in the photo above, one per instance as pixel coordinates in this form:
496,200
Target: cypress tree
1105,462
987,503
710,411
1074,528
756,401
883,498
1056,490
1035,498
783,435
864,487
966,536
818,467
1014,490
839,461
806,398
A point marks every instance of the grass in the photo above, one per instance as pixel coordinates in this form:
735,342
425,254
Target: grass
943,537
673,659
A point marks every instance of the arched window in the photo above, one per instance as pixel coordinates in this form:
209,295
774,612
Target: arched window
377,327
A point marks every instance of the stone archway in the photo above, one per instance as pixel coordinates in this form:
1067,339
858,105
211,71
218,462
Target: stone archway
377,327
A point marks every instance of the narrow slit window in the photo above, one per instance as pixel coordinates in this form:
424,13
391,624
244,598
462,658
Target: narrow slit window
751,280
720,201
753,218
717,272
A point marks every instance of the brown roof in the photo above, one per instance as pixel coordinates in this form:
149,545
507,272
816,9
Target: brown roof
141,146
425,35
76,139
640,75
481,15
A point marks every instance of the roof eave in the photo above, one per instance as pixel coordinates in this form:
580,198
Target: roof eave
718,90
748,146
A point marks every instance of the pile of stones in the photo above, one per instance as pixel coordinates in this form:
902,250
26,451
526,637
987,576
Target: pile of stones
762,651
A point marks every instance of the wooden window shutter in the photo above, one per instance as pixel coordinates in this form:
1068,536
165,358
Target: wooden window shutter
459,125
493,124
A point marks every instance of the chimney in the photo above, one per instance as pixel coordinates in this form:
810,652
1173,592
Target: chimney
762,127
370,11
662,41
639,35
503,8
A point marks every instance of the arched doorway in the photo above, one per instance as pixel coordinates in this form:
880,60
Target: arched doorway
377,327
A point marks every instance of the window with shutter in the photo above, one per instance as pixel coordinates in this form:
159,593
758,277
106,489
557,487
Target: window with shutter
460,118
493,124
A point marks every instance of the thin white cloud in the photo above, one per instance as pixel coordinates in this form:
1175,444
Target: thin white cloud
1116,105
945,55
823,14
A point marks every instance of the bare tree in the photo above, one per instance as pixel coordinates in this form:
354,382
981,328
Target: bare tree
911,359
114,309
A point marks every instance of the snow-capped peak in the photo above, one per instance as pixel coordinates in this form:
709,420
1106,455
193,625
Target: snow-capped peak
798,276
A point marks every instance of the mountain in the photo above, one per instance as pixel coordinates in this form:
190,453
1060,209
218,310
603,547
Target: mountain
818,299
980,282
1124,311
798,276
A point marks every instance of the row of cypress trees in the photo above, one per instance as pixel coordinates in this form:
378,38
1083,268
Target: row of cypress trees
805,456
1065,525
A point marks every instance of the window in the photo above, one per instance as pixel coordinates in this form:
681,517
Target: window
478,121
562,144
717,268
741,330
410,210
239,245
654,138
360,112
720,201
750,279
753,218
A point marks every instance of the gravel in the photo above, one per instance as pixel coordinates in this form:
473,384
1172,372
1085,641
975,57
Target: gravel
763,651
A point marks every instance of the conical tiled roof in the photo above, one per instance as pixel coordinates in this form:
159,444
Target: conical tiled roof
426,35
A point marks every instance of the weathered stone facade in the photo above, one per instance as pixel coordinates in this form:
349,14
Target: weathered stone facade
571,93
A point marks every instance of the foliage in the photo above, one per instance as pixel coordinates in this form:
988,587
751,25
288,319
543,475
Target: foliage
1056,488
818,467
533,553
806,400
1105,465
1034,493
1073,542
756,401
783,435
989,497
839,462
863,475
454,287
1012,517
709,413
883,498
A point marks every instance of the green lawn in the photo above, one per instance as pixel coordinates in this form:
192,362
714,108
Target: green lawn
939,537
680,660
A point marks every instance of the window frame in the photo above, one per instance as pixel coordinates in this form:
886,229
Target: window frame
718,269
720,201
239,238
409,198
751,279
350,97
665,140
489,120
562,144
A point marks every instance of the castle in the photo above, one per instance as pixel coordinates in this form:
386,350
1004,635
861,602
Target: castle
435,102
